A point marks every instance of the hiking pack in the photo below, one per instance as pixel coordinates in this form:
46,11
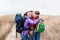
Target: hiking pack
19,23
40,27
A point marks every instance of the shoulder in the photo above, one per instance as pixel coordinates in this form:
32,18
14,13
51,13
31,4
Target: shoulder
27,19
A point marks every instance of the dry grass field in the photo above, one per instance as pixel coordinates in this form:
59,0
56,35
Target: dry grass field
52,28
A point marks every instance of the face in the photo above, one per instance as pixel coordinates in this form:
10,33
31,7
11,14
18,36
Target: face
29,14
33,14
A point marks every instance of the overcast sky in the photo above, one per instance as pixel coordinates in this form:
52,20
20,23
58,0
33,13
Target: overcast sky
46,7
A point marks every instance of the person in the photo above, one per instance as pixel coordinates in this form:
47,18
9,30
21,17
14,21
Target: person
35,35
28,21
32,26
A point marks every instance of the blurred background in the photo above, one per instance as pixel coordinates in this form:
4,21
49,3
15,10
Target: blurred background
46,7
49,9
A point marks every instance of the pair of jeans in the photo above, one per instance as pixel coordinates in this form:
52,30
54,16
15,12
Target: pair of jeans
24,37
35,36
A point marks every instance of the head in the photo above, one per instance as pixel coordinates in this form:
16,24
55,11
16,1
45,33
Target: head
29,13
37,13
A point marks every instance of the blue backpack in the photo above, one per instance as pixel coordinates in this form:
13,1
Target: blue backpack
19,23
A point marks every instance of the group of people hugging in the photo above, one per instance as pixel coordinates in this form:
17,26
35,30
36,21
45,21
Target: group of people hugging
31,19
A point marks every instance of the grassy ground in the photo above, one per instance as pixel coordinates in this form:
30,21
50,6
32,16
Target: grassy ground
52,28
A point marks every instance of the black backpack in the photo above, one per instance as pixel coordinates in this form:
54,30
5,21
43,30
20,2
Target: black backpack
19,23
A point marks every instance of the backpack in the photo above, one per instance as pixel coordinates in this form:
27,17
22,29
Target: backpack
19,23
40,27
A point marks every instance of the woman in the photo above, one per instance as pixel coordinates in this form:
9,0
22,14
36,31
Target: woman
28,21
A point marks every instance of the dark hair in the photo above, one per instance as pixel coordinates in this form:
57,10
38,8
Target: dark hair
27,12
37,12
30,11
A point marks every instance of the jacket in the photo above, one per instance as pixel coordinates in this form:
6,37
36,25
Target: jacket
29,21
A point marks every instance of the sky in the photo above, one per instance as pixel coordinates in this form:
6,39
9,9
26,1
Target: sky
46,7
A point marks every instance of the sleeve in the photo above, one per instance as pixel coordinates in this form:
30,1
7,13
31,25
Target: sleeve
33,22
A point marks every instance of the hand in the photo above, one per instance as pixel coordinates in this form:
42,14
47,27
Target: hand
42,20
31,32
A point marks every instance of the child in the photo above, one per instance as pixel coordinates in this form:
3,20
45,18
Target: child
32,26
35,35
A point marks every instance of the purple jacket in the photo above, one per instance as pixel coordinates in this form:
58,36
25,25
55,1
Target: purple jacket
27,21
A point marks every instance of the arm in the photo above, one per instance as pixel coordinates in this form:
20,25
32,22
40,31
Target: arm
34,22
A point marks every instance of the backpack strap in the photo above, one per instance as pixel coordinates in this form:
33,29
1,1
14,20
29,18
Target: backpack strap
26,29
